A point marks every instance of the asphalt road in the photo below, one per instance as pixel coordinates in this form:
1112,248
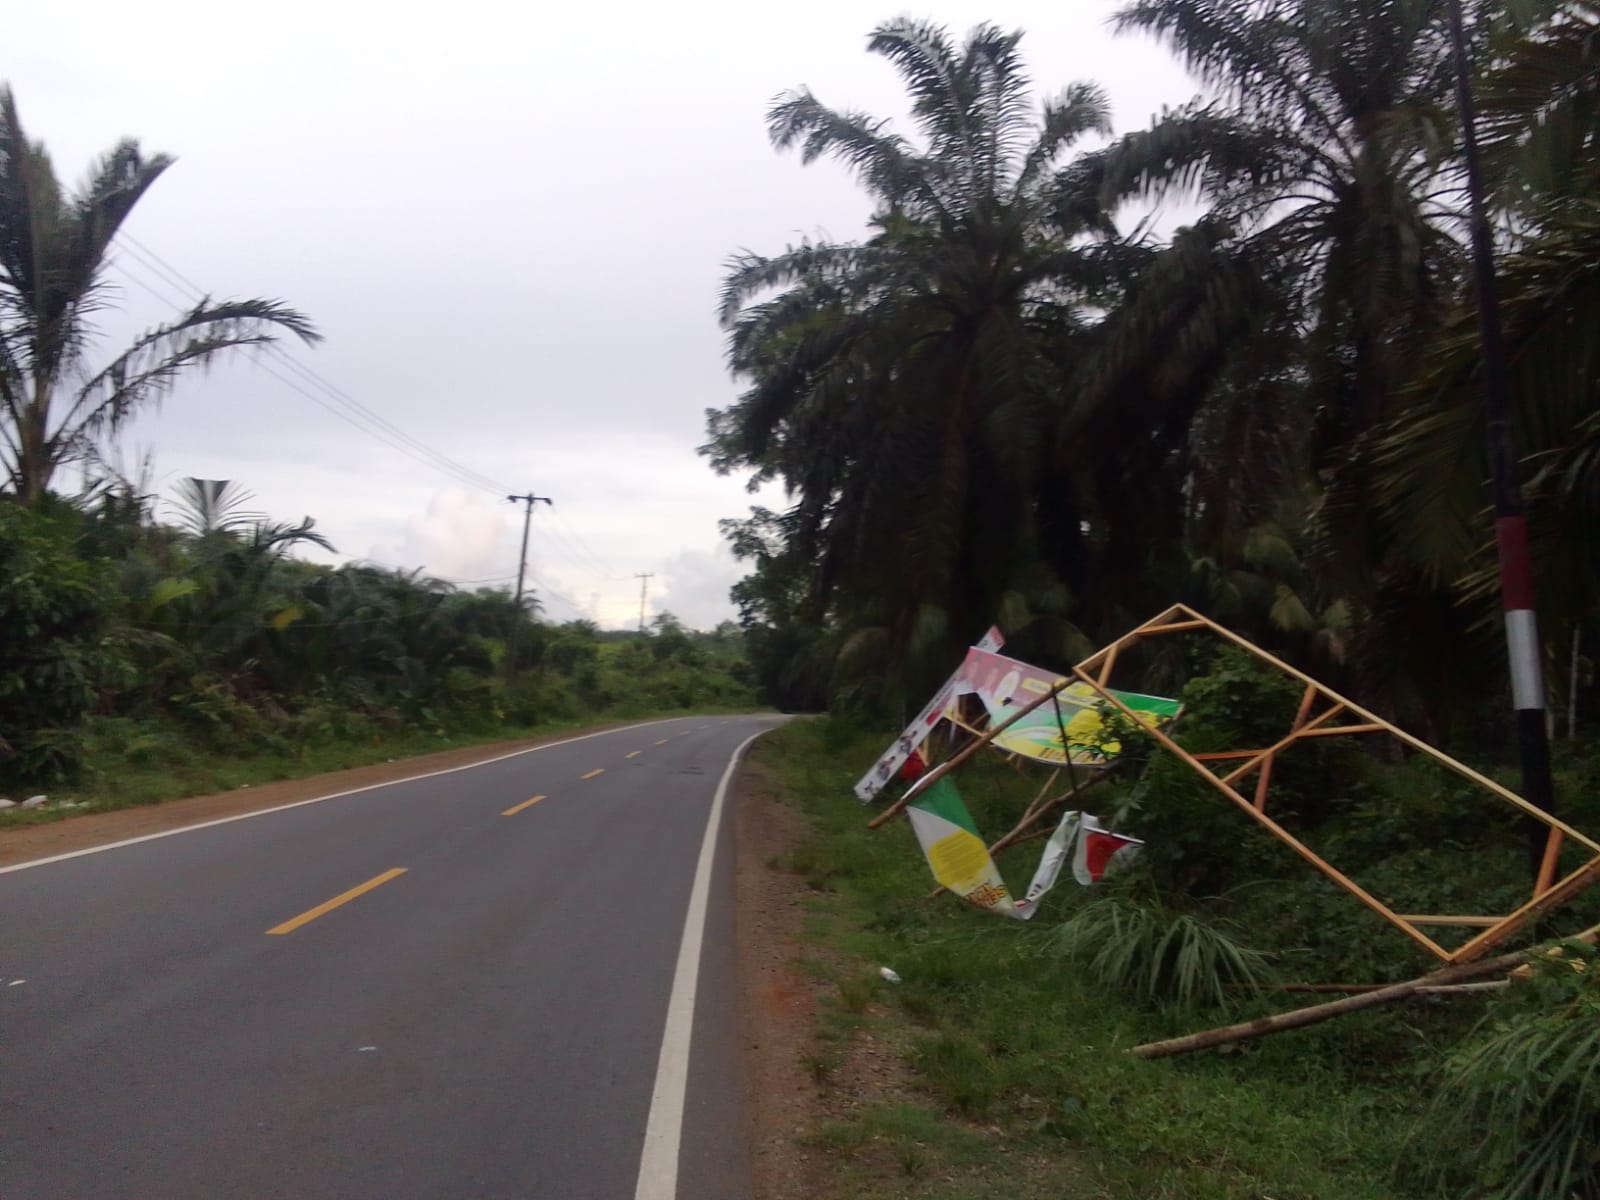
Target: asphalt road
484,1022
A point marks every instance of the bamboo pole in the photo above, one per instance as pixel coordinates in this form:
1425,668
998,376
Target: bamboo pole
1299,847
965,753
1339,730
1263,782
1351,989
1282,744
1133,635
1307,698
1317,1013
1109,665
1414,742
1568,887
1440,919
1547,865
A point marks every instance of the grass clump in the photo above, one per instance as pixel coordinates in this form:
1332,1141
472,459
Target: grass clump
1516,1109
1145,950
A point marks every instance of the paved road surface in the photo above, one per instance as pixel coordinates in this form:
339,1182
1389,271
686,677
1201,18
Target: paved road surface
484,1022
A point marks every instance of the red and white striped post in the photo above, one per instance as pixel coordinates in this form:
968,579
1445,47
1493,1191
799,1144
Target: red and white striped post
1510,524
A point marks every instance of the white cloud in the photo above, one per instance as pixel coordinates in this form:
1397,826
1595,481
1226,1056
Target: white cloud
694,586
526,291
460,536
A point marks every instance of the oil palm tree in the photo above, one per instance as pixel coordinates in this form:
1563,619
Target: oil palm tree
905,388
1541,106
53,251
1541,110
1327,146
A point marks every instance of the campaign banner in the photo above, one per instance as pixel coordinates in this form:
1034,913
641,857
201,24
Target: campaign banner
960,859
1070,728
908,743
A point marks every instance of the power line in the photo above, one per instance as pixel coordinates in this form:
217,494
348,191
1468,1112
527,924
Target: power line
582,547
346,408
349,419
381,427
566,541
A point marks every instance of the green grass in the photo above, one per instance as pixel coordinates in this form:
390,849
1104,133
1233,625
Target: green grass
137,763
1018,1053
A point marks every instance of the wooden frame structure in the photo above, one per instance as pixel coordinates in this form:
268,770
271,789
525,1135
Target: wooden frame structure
1325,713
1322,713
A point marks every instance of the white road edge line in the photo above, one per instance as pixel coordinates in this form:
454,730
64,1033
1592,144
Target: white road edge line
371,787
663,1133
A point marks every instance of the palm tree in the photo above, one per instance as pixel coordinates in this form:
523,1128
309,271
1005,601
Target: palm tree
1327,150
206,506
906,389
53,248
1541,110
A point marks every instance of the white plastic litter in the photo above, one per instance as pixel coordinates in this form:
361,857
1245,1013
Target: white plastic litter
889,974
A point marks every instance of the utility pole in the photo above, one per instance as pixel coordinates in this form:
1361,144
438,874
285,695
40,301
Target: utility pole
527,502
644,578
1510,523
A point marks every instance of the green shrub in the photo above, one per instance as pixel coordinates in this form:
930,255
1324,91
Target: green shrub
52,613
1155,954
1516,1111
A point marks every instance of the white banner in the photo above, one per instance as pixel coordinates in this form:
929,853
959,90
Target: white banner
917,732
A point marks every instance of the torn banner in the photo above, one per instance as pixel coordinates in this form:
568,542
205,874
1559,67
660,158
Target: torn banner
908,743
961,861
1004,685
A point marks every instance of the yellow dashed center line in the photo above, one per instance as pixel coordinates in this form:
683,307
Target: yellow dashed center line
633,754
593,773
516,808
328,906
662,742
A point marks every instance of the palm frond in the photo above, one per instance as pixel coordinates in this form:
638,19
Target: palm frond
149,367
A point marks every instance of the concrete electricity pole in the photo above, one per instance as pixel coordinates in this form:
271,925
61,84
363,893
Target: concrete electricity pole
644,579
1510,524
527,502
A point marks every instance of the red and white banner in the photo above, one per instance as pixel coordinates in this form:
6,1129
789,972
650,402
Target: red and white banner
921,726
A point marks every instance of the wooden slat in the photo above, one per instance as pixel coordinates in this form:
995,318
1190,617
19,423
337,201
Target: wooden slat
1294,843
1441,919
1415,743
1287,740
1494,936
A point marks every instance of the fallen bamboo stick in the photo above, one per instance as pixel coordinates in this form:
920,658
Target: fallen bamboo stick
1317,1013
1342,989
966,752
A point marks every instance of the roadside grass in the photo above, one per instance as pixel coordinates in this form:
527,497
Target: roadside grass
1022,1084
131,763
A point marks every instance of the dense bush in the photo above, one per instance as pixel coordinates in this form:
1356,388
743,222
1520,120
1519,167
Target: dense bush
53,613
217,639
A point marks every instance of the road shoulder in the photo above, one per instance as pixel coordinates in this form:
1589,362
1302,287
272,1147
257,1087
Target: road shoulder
778,1009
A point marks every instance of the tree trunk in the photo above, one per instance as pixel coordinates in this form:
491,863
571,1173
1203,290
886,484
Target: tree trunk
33,455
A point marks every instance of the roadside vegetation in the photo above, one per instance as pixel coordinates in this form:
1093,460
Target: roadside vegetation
159,646
1014,1038
1019,401
143,660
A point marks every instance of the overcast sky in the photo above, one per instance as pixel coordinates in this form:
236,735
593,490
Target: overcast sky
510,223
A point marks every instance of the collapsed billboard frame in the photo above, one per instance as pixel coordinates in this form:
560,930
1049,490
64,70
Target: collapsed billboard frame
1319,707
